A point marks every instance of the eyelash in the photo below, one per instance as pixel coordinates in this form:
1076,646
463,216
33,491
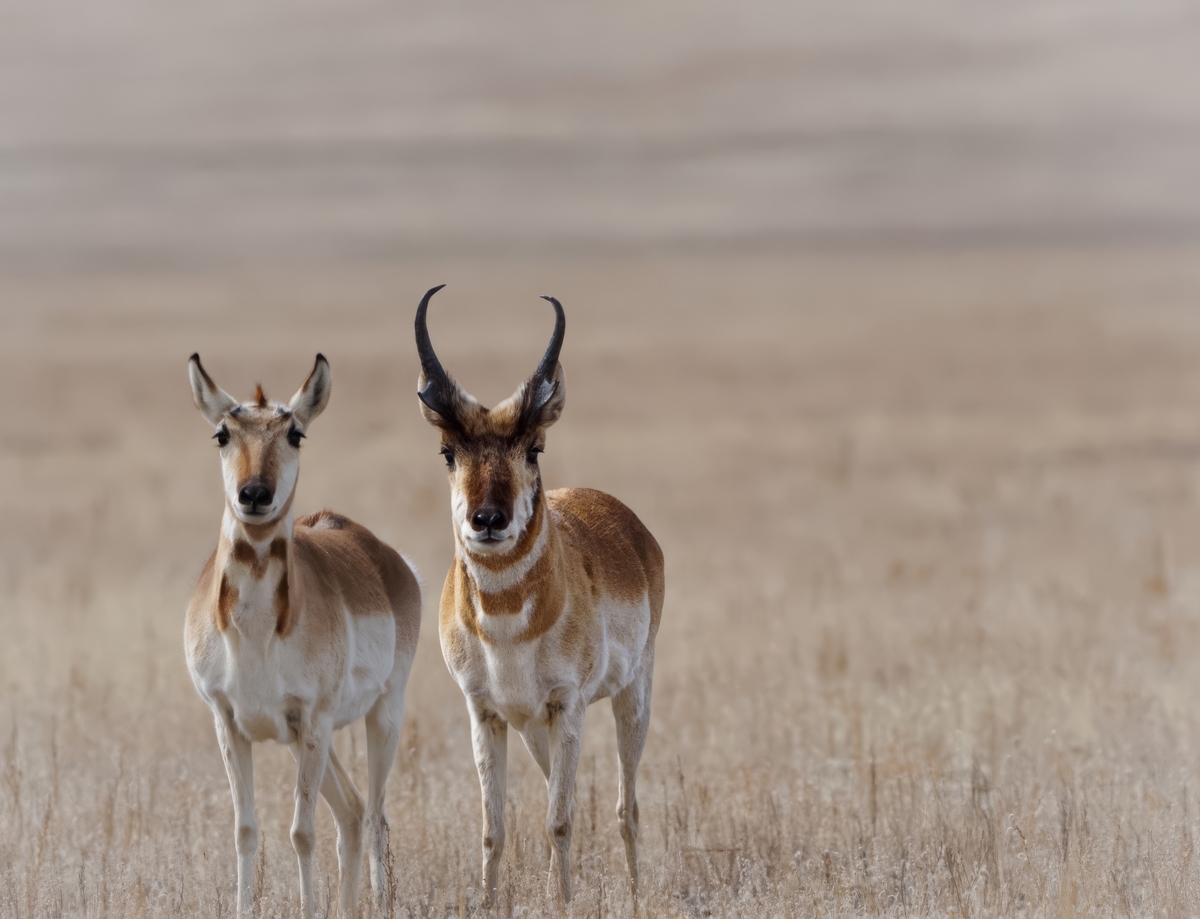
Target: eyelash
294,437
222,437
449,454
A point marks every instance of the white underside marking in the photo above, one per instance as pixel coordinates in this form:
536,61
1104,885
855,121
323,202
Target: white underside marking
263,680
506,628
492,582
516,679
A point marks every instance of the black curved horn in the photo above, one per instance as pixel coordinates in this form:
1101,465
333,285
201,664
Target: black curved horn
437,381
543,377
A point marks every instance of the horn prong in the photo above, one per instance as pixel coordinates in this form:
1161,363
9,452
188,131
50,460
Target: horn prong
437,381
545,370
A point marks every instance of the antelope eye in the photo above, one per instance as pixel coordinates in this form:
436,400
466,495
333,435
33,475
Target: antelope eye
222,437
449,454
532,455
294,436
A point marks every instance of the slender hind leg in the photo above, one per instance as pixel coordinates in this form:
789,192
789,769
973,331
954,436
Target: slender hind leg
537,742
631,709
383,737
346,804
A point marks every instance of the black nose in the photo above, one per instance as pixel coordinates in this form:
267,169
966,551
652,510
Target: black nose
255,495
488,518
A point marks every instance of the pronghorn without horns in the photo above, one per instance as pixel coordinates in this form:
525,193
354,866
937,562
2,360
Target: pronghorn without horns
552,602
297,628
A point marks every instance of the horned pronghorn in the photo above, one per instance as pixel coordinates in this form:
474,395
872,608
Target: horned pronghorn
552,602
297,628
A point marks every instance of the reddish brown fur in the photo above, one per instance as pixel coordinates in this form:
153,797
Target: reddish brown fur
335,564
343,563
244,553
594,535
587,598
597,547
203,595
227,597
283,621
260,531
621,557
524,544
295,630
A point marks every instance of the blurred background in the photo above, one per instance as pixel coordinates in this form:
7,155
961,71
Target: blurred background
160,136
885,318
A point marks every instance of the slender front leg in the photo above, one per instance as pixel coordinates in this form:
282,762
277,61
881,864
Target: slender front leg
383,737
239,766
312,756
489,736
566,728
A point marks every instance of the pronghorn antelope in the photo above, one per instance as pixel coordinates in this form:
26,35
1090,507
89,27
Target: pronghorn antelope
552,602
297,628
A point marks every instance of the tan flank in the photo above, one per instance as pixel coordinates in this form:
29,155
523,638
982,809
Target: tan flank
297,628
552,602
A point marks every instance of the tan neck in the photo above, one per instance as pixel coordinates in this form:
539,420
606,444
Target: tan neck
537,549
248,554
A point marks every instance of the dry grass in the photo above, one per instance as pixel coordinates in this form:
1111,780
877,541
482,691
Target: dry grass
931,643
932,637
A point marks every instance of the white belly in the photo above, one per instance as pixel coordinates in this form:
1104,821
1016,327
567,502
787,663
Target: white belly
518,679
272,686
371,660
626,631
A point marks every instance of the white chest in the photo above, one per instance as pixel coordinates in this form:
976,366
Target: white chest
265,687
271,684
511,682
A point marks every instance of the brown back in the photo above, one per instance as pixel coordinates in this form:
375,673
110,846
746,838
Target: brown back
620,556
337,552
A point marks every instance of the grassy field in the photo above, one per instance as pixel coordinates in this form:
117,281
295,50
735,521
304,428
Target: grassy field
881,316
931,642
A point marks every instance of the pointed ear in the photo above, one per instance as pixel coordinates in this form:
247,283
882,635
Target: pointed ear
444,404
546,403
311,398
537,404
214,403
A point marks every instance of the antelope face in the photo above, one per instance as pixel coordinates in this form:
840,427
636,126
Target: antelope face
491,454
259,441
